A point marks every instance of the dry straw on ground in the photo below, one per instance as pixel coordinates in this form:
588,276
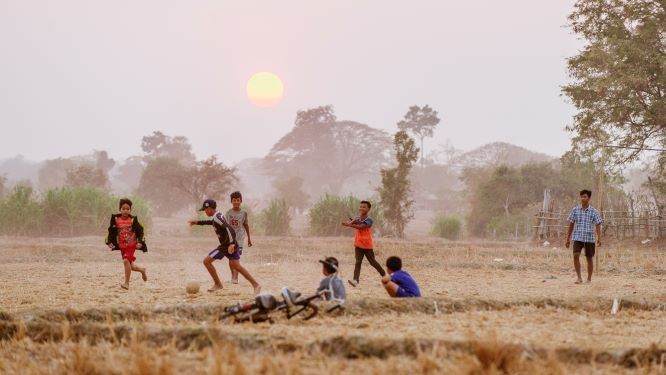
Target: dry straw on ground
487,308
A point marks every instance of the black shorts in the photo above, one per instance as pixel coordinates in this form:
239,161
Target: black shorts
589,248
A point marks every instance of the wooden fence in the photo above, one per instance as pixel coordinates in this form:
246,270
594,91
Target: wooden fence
617,224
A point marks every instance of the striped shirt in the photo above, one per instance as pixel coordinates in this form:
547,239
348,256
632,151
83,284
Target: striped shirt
225,233
584,221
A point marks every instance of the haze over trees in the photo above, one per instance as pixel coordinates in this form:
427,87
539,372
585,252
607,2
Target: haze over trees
327,153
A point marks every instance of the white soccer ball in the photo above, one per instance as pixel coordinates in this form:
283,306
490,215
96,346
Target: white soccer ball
192,287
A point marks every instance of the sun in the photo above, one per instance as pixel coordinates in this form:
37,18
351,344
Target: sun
264,89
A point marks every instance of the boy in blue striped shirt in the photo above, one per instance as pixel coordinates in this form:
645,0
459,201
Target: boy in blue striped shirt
584,221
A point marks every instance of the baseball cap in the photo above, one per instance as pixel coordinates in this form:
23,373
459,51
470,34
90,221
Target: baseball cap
208,203
332,262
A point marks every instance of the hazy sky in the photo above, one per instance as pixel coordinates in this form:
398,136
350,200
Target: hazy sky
82,75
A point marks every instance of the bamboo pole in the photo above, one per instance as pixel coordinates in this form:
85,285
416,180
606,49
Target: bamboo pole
601,197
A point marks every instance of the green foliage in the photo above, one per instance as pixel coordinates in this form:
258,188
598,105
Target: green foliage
504,227
503,196
62,211
3,185
618,78
448,227
395,190
420,121
274,220
327,215
329,212
291,190
20,213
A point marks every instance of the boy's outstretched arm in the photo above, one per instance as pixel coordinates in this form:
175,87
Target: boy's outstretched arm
355,225
200,222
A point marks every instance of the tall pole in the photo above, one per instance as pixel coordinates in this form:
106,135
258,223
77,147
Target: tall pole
600,204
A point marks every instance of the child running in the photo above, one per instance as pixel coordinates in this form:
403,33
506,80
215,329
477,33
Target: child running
399,283
331,285
237,218
363,241
228,246
126,234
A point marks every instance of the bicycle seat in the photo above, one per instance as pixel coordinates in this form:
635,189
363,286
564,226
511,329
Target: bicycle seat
265,302
290,296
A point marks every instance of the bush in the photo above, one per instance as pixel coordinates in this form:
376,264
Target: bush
504,227
63,211
331,210
274,220
448,227
20,213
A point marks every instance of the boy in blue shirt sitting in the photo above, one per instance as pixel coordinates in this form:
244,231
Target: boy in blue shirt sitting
399,283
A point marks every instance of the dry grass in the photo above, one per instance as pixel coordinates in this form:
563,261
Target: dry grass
488,308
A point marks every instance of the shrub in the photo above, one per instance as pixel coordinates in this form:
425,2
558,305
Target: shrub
66,211
20,213
331,210
274,220
448,227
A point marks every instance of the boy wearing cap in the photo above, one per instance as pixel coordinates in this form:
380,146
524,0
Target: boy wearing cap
228,246
331,285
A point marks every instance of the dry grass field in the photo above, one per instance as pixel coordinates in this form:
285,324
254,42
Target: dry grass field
487,308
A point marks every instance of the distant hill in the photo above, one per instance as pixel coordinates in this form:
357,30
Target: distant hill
499,153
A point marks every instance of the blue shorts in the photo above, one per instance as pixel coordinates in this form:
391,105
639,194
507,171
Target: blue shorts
402,293
221,253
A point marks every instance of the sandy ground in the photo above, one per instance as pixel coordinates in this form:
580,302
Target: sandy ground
504,293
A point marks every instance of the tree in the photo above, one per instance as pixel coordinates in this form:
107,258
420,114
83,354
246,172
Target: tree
208,178
619,78
130,171
103,161
171,186
395,189
420,121
3,185
53,173
161,184
290,188
159,145
87,175
327,153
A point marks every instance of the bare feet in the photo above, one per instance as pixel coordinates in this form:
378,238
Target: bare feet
234,281
125,286
257,289
143,274
588,282
215,287
579,281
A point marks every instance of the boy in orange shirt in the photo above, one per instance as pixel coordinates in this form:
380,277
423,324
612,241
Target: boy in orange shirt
363,241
